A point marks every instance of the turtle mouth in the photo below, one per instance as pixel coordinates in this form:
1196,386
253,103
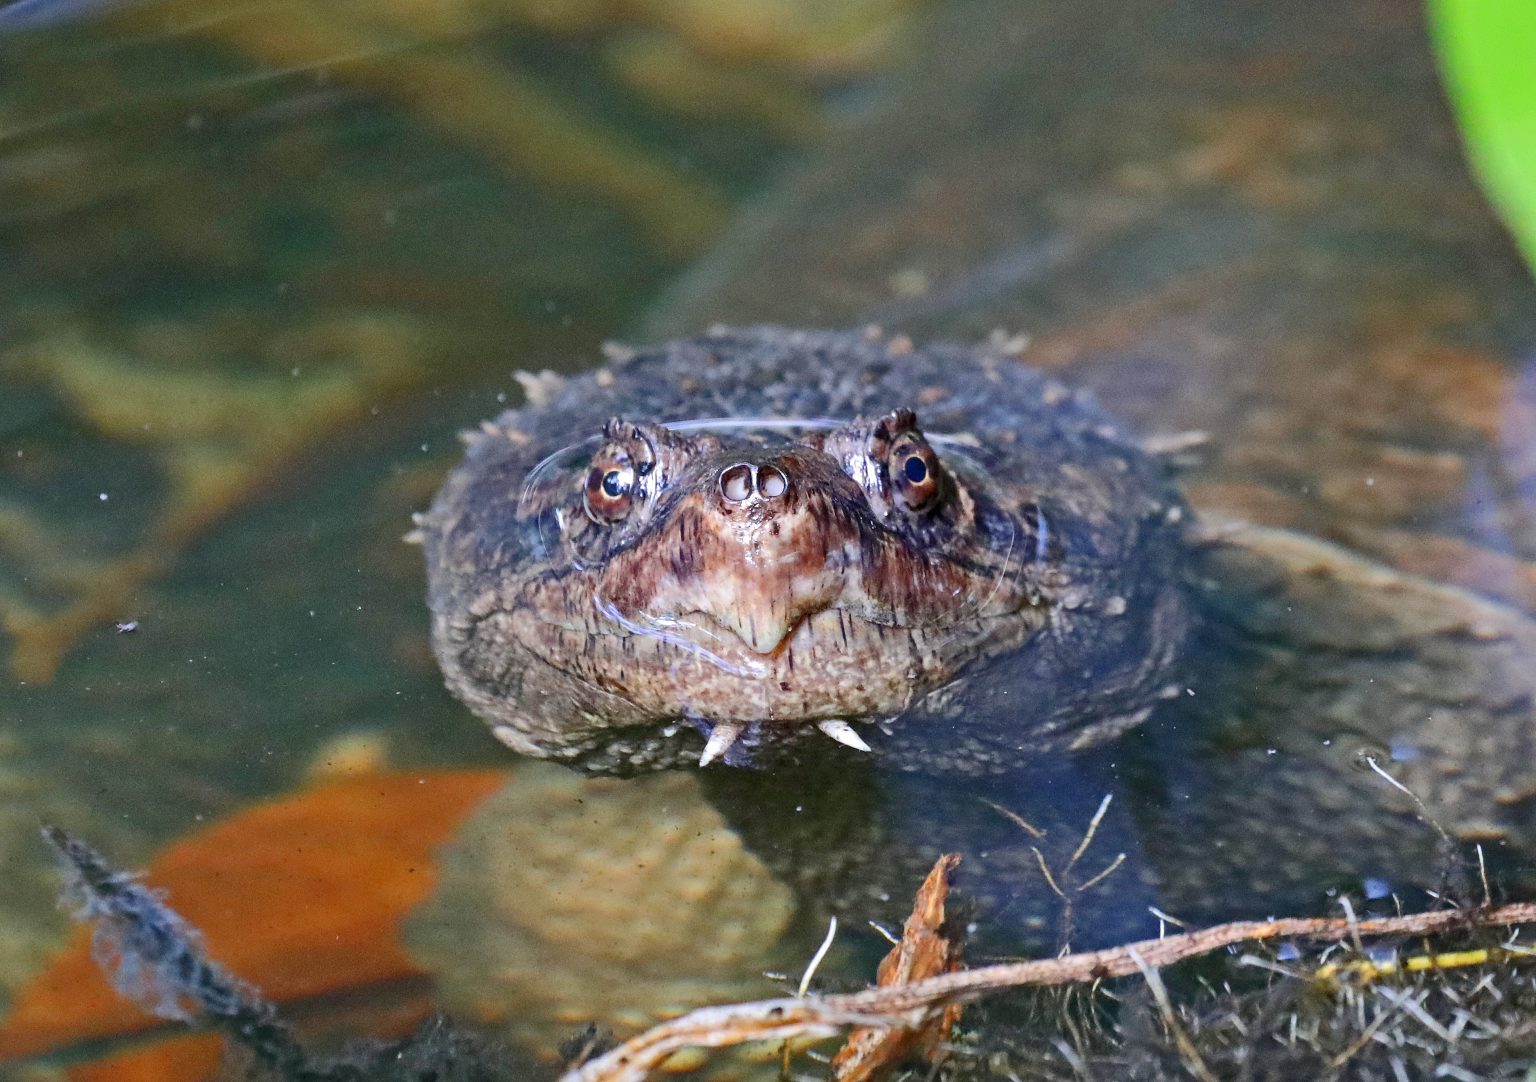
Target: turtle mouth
762,629
761,639
753,645
753,623
829,662
704,636
772,691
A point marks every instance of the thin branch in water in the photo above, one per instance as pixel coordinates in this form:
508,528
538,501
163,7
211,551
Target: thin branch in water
1187,1050
1045,870
1108,871
1016,819
821,952
1434,824
1349,915
909,1004
1093,828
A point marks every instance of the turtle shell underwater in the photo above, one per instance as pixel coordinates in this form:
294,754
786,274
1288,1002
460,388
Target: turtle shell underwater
739,545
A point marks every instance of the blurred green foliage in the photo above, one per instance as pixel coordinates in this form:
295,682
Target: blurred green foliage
1488,51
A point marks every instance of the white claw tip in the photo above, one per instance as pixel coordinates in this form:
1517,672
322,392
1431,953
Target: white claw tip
843,733
721,737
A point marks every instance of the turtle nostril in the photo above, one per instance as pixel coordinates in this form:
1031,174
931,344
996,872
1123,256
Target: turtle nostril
771,482
737,482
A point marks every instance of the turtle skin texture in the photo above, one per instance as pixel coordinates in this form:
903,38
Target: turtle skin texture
735,545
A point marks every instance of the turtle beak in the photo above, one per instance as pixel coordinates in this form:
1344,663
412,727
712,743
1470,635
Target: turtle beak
761,619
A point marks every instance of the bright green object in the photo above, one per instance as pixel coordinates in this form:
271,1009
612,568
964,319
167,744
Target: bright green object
1488,50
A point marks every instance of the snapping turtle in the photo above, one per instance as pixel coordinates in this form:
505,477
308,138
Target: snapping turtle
739,545
816,556
1351,335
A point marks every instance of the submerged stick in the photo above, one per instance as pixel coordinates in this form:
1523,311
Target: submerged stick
908,1004
155,958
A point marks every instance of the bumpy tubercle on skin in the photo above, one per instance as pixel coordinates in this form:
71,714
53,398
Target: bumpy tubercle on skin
805,607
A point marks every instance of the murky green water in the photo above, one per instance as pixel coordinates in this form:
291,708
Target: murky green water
261,264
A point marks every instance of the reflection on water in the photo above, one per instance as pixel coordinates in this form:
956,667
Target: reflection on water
233,232
262,262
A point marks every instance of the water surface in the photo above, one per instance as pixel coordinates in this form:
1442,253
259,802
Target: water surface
263,263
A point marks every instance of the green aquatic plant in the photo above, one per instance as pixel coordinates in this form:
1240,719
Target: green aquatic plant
1485,51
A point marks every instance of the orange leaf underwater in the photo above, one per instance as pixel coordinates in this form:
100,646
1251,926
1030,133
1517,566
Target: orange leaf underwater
927,948
302,895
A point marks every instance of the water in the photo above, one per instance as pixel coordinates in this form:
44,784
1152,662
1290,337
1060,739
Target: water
262,265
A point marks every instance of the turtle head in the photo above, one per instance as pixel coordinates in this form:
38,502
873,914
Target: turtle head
754,577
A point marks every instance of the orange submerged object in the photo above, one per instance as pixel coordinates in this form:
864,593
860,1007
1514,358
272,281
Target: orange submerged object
302,895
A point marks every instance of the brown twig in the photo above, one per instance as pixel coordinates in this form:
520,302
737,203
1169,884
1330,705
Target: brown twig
909,1004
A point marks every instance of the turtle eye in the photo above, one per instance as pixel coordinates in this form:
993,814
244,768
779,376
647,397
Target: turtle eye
916,475
609,491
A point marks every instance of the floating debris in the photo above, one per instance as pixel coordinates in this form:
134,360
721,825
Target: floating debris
1326,1039
156,959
